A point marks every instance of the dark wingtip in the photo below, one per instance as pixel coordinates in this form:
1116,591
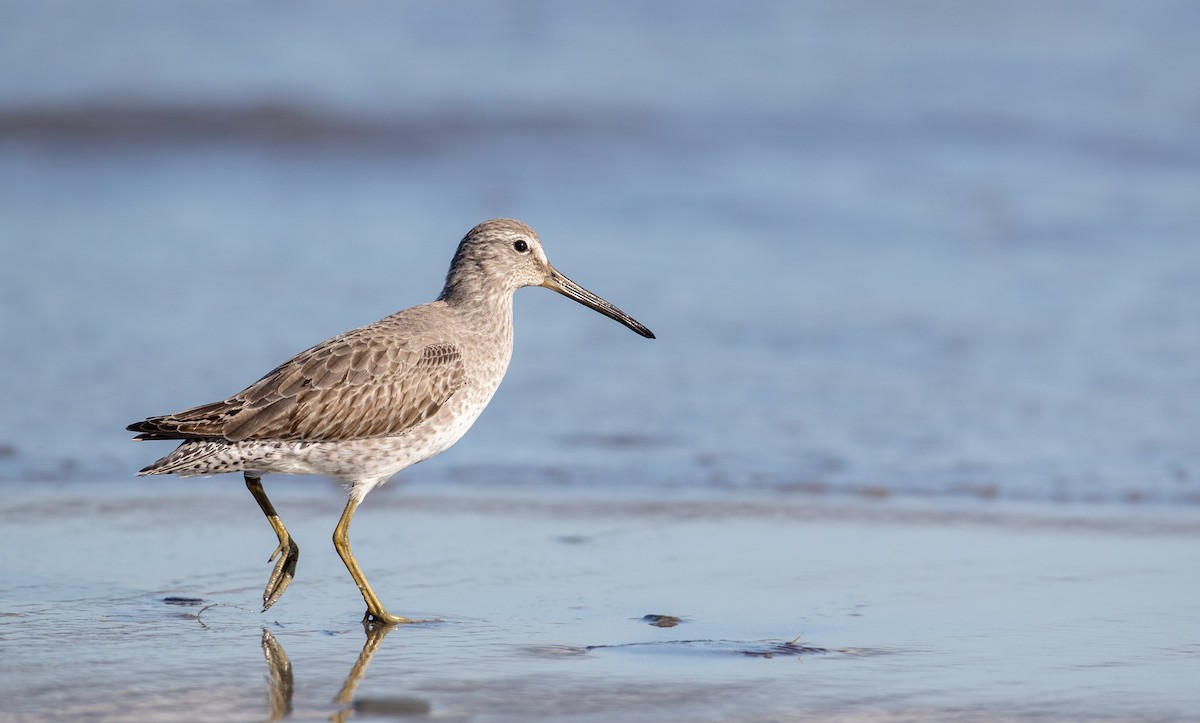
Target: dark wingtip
150,429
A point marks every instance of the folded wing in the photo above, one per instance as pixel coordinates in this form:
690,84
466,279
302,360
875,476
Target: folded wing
355,386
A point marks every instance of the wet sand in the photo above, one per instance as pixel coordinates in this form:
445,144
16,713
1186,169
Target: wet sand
138,601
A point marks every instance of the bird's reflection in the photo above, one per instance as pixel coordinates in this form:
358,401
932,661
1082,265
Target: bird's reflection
279,670
345,696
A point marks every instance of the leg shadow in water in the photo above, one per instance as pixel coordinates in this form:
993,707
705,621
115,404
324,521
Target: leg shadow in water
282,682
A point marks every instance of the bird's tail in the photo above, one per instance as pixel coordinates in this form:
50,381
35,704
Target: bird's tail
196,458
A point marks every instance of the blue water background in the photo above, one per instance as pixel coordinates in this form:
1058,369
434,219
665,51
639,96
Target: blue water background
948,250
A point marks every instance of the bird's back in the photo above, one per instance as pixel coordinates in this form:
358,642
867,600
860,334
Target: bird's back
412,383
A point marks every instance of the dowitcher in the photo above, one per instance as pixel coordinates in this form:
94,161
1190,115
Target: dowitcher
368,403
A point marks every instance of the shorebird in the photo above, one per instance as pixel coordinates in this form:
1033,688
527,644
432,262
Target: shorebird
368,403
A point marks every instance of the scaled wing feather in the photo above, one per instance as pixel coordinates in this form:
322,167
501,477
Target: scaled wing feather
355,386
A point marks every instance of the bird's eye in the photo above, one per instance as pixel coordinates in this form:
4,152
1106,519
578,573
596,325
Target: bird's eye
520,246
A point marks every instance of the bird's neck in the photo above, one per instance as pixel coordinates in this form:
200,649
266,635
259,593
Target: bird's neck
490,312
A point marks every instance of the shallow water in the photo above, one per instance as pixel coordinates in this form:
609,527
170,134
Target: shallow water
924,280
145,602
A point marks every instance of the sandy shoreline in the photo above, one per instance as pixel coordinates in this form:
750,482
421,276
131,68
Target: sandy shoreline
897,610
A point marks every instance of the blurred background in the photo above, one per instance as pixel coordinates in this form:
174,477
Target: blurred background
916,249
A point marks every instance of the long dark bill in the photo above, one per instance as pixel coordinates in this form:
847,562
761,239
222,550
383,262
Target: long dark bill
572,290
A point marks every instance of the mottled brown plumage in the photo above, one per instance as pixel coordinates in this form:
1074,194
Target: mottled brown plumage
365,404
358,385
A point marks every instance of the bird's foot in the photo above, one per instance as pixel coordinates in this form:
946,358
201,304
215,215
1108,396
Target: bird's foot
288,553
375,618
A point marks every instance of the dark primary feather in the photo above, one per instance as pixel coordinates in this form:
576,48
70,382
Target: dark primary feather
358,385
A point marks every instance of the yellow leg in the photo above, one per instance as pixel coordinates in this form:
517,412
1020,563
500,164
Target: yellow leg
287,551
341,542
